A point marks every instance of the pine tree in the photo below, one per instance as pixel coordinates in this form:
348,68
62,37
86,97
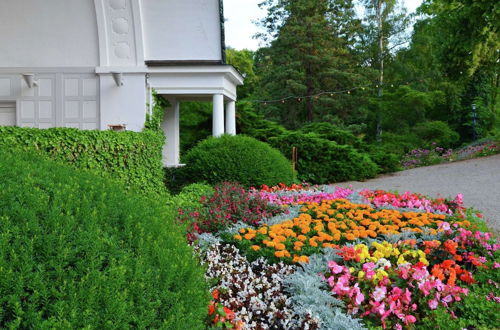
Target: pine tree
308,53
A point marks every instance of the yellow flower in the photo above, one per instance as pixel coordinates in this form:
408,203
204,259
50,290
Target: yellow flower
361,274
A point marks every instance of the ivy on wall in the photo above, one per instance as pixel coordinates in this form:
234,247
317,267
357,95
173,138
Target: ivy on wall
135,159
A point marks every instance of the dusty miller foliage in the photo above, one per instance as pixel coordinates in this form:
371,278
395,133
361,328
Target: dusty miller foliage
310,295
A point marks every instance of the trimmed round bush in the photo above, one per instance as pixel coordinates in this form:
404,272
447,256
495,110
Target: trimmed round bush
236,159
77,251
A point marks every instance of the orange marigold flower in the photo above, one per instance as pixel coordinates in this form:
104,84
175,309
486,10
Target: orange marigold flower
238,237
255,247
263,230
249,236
280,246
279,254
350,237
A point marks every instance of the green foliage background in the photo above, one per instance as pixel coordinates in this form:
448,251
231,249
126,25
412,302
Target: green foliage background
78,251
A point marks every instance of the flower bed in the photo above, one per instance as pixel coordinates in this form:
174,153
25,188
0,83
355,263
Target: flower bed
352,260
437,155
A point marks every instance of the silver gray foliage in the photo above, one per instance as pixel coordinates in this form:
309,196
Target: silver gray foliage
310,296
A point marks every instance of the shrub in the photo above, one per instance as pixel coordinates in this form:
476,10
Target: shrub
77,251
400,144
386,161
235,158
438,132
230,203
334,133
190,196
323,161
133,158
253,124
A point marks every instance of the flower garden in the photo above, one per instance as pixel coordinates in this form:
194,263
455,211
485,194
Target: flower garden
323,257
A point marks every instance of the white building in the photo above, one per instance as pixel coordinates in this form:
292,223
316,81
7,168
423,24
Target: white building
92,64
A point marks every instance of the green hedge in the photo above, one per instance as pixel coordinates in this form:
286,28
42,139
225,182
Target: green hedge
436,132
133,158
236,159
334,133
323,161
78,251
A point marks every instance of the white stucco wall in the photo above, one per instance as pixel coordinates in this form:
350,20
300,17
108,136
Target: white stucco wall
125,104
181,30
48,33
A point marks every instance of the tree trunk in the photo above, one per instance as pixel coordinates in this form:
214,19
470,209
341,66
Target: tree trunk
380,90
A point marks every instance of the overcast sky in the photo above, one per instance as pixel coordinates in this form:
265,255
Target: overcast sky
241,13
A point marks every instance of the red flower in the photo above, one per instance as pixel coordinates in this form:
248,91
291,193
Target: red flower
215,294
229,314
211,308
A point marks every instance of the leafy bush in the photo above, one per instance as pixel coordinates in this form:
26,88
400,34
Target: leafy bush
77,251
230,203
235,158
334,133
386,161
190,196
251,123
324,161
133,158
400,144
438,132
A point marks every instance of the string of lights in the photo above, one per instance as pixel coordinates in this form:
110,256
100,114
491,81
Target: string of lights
322,93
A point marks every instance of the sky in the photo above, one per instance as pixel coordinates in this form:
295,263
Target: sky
240,14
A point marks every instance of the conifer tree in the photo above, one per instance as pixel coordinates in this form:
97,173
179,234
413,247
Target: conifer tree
309,52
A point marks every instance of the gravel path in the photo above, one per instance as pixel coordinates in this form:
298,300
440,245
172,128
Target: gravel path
477,179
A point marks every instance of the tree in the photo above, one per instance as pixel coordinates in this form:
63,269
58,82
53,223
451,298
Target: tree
243,61
308,53
385,25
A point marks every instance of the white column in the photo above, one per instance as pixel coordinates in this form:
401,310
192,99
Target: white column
231,118
218,115
170,125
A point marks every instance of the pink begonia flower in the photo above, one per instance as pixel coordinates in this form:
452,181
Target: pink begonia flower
379,293
406,297
331,281
496,265
433,304
420,273
335,268
359,298
410,319
404,272
368,266
398,326
447,299
378,308
426,287
444,225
